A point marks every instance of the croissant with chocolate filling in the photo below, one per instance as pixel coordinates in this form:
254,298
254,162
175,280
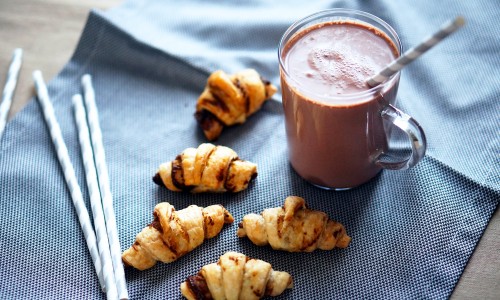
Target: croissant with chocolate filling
229,100
294,228
236,276
174,233
208,168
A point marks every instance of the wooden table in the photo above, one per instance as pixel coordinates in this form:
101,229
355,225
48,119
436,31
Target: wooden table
48,31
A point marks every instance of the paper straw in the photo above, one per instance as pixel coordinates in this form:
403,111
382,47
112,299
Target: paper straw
95,197
69,172
10,86
103,179
415,52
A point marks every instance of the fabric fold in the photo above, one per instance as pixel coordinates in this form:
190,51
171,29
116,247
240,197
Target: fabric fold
413,231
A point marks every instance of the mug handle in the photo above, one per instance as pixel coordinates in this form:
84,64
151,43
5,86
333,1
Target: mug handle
413,131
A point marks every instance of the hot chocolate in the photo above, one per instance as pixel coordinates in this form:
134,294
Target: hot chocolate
333,123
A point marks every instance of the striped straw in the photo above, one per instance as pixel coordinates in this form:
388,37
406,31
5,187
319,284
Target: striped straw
10,86
415,52
102,174
95,197
69,172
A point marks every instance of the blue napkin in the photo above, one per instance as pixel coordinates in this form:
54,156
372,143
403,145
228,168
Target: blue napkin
412,231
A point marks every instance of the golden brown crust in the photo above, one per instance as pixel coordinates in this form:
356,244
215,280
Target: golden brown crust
164,172
215,216
188,161
240,174
173,233
294,228
211,126
216,169
208,168
236,276
229,100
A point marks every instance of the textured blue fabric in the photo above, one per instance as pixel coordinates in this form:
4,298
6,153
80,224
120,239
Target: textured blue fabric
413,231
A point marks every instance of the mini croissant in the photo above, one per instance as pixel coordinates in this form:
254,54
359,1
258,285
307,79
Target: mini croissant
236,276
294,228
208,168
229,100
174,233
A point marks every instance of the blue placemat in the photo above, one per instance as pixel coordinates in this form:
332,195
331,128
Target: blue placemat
413,231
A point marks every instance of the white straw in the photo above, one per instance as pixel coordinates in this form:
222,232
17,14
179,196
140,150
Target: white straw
69,172
102,174
95,197
415,52
10,86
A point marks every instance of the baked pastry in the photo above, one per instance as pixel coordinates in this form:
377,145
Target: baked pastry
208,168
293,228
229,100
236,276
173,233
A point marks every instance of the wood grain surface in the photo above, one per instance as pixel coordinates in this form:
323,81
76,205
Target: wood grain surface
48,32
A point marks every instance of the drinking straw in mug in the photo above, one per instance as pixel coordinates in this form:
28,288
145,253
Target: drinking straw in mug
95,197
69,172
415,52
10,86
103,179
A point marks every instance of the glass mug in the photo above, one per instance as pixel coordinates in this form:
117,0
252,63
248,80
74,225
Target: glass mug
338,129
